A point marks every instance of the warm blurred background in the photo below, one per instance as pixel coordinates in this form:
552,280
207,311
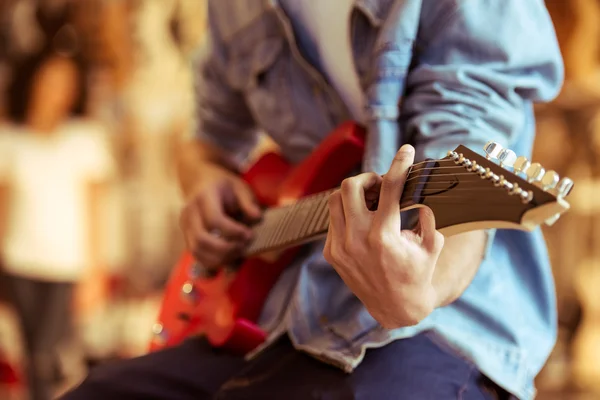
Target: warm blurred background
129,79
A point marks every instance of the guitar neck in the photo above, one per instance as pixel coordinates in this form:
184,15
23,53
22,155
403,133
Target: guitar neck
308,218
293,224
463,193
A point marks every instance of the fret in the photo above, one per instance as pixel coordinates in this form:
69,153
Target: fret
324,223
260,227
265,233
312,214
265,230
322,210
273,221
286,235
276,225
280,227
306,218
283,236
296,225
278,214
299,219
256,243
259,232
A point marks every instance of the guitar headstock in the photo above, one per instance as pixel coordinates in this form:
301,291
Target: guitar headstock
468,191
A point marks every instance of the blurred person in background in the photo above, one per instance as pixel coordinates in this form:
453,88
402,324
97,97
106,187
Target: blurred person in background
52,170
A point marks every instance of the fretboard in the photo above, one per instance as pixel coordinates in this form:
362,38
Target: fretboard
307,219
448,186
284,226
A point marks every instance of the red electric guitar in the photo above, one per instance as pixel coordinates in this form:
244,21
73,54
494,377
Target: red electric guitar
465,191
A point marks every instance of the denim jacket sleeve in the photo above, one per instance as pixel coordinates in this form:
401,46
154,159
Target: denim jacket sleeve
479,66
222,115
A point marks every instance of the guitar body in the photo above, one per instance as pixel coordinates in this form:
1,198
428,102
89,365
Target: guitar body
226,307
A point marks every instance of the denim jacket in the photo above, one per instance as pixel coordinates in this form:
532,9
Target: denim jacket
436,73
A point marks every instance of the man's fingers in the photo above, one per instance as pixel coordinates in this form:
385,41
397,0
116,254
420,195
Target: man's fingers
215,218
207,247
354,191
337,219
211,250
337,229
247,202
204,244
431,240
327,248
392,185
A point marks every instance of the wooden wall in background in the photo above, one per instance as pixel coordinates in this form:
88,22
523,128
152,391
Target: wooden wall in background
567,140
577,24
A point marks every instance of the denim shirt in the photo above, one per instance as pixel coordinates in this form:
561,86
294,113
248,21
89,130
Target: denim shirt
436,74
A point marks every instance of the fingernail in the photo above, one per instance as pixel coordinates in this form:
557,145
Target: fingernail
407,149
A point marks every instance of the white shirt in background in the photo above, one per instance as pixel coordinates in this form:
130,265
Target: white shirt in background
327,24
47,236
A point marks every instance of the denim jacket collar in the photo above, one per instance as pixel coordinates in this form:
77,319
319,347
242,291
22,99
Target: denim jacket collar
375,10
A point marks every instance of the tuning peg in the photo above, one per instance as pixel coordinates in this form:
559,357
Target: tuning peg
550,180
563,188
521,164
492,150
535,172
507,158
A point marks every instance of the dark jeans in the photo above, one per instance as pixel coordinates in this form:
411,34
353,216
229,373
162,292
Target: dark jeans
415,368
44,313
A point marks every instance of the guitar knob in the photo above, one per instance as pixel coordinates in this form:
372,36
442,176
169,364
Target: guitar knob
492,149
159,333
507,157
550,180
521,164
563,188
189,292
535,172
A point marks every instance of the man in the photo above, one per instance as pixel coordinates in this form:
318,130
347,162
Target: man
396,317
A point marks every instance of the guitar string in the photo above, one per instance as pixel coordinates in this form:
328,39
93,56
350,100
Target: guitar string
415,175
412,182
423,193
474,185
321,226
